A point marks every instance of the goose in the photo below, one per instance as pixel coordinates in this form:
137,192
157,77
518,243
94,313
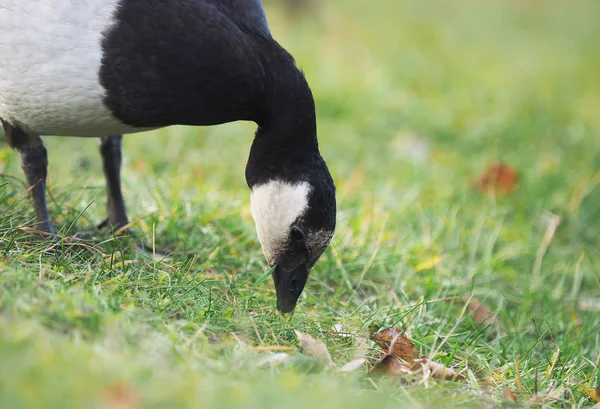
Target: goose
105,68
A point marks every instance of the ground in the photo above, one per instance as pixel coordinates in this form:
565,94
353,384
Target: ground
415,101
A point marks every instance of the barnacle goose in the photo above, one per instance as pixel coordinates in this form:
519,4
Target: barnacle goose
104,68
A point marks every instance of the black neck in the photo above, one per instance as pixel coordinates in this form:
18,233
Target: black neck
288,116
285,145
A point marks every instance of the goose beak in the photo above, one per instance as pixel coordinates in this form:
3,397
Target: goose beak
289,285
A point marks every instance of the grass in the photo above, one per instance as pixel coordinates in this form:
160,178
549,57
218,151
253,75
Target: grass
415,100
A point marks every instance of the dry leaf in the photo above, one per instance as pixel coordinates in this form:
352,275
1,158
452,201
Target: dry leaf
121,396
273,348
432,262
400,357
592,393
481,314
394,340
314,347
498,178
589,304
391,365
441,371
562,395
510,395
487,380
275,359
353,365
338,330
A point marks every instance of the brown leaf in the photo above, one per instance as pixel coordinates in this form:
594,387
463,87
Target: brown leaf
440,371
391,365
487,380
353,365
393,340
121,396
498,178
315,348
481,314
510,395
592,393
402,357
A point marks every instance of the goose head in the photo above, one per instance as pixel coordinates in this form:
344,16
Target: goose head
294,210
292,199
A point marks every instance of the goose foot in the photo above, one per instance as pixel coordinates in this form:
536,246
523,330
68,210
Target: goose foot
139,244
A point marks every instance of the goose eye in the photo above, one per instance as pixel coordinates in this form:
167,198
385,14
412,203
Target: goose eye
297,234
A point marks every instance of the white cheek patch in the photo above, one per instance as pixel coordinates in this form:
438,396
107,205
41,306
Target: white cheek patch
274,206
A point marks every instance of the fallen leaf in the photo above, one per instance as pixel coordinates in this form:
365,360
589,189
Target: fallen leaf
592,393
275,359
487,380
315,348
394,340
391,365
122,263
121,396
401,357
510,395
353,365
338,330
589,304
498,178
441,371
481,314
562,395
273,348
432,262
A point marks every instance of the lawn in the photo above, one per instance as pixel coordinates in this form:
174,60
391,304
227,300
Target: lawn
415,101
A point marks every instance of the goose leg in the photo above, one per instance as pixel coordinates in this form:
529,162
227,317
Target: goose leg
34,161
110,149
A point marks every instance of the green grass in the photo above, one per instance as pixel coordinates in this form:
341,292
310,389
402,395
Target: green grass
415,100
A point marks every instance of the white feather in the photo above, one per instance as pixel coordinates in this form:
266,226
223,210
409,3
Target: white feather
275,206
50,52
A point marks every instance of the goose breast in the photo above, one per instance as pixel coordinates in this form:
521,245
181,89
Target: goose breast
50,57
